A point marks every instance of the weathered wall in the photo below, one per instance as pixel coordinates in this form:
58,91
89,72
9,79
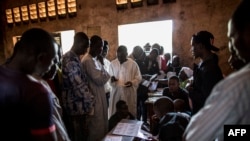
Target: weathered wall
189,16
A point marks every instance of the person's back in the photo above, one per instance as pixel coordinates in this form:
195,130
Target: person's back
179,107
25,104
168,125
15,102
173,126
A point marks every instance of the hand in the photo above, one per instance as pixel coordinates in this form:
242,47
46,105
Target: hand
128,84
155,118
151,139
113,79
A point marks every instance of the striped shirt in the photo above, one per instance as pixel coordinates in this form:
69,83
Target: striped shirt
228,104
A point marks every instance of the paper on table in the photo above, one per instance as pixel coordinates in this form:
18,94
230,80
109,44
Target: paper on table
153,86
127,129
113,138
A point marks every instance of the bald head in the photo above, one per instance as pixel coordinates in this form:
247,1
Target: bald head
179,105
163,105
96,45
239,31
35,52
81,43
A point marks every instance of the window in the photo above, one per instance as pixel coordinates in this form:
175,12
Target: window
140,34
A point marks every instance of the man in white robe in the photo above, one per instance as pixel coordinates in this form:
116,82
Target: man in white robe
125,78
98,122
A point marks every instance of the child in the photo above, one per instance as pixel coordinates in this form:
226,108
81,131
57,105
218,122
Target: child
167,124
121,113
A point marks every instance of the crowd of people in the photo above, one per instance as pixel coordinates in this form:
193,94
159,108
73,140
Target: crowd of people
81,95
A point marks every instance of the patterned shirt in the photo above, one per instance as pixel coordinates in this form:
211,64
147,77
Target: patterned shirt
76,96
228,104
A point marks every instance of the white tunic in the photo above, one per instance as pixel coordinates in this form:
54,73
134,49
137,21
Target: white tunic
98,122
127,71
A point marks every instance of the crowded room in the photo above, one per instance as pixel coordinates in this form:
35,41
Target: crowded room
125,70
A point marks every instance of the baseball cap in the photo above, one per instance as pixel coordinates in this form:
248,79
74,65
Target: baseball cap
205,37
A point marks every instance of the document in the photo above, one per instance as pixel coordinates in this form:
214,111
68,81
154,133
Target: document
113,138
147,82
127,129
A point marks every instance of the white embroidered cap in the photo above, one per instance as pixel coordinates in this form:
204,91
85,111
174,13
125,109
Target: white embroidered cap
188,71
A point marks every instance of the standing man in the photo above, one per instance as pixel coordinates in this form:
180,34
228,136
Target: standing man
207,73
76,96
61,132
25,104
106,64
98,77
125,79
228,103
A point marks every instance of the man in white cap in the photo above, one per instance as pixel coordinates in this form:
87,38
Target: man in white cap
186,76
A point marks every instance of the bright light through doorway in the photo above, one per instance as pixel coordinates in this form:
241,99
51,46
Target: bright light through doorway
67,39
159,32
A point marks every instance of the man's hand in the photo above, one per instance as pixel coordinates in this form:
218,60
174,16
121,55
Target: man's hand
113,79
128,84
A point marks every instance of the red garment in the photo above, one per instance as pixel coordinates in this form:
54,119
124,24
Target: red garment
163,64
25,105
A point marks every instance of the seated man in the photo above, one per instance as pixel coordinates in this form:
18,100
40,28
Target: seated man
174,91
121,113
168,125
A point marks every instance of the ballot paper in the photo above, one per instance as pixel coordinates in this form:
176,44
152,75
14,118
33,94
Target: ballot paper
126,129
113,138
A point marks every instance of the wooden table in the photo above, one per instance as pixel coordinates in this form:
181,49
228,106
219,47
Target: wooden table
157,93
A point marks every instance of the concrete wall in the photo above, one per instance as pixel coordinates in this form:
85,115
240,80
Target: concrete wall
189,16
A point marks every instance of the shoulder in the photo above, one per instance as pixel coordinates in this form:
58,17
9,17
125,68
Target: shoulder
235,86
183,91
106,61
165,90
86,58
237,79
172,129
129,60
115,61
36,85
